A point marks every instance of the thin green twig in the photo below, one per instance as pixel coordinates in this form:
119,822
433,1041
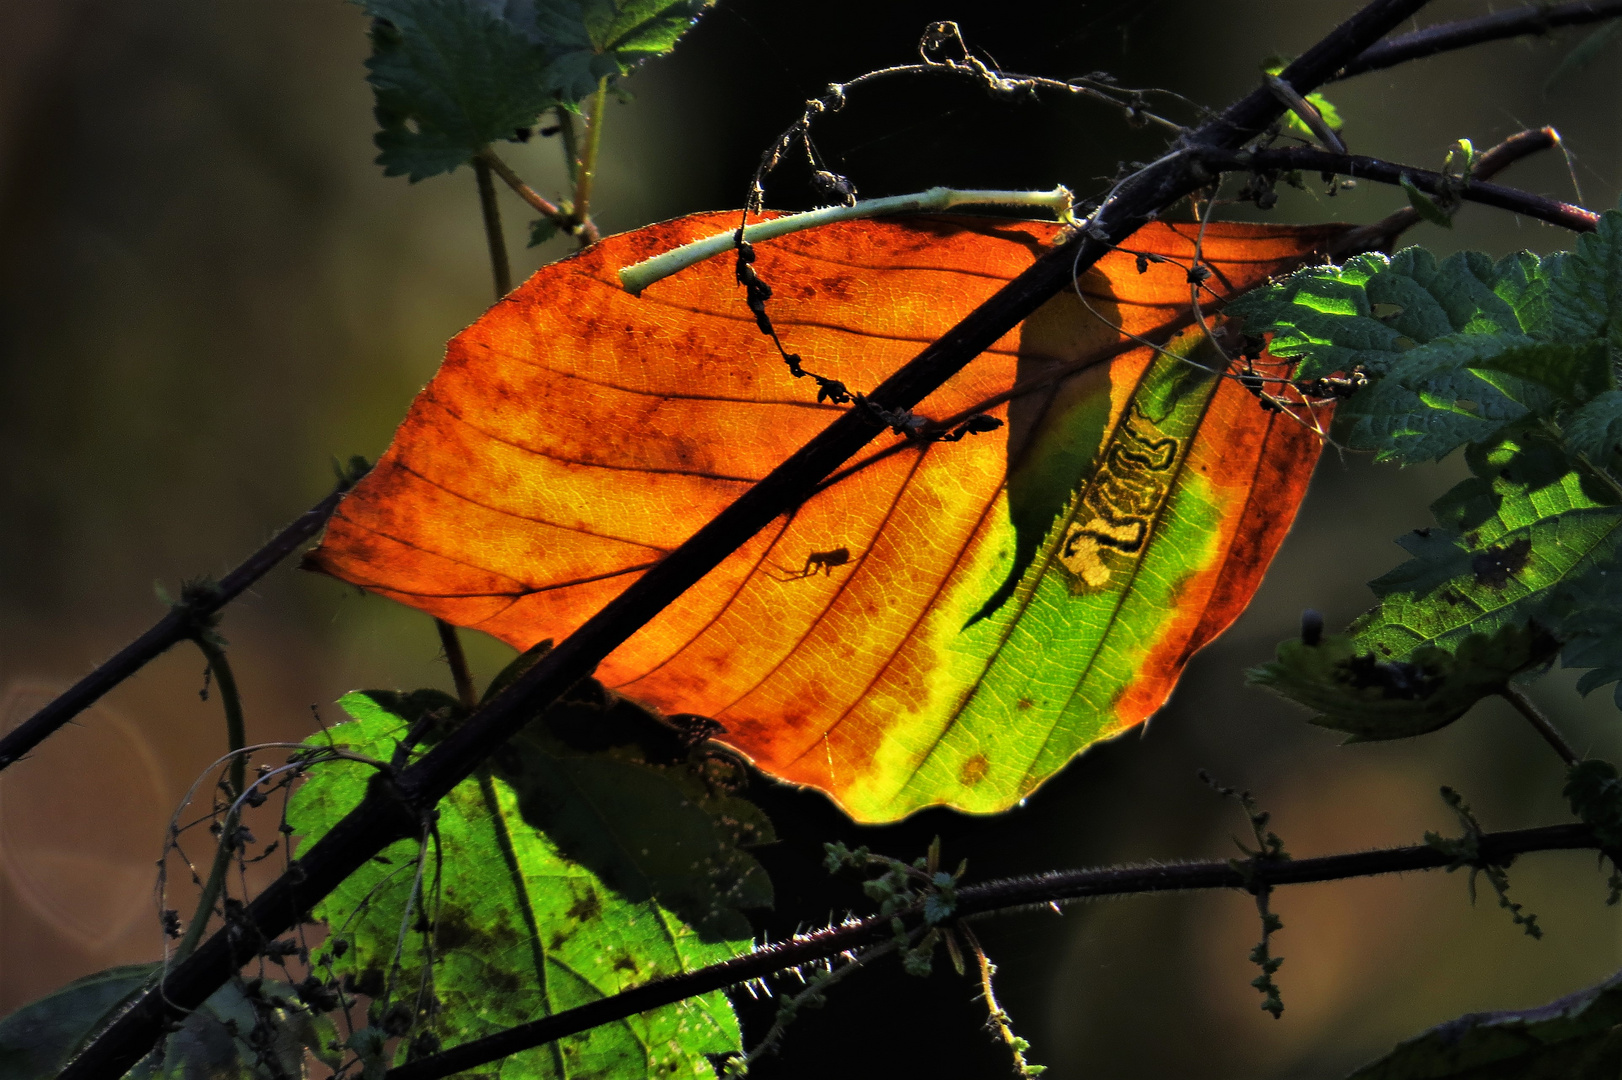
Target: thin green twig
586,177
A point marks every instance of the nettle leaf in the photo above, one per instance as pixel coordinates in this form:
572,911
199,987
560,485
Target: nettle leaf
587,40
1595,429
1374,311
1590,619
1515,539
945,622
244,1031
1578,1037
519,930
1356,690
450,77
1585,298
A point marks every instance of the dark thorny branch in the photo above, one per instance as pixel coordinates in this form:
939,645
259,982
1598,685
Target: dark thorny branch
994,898
400,800
198,605
1446,37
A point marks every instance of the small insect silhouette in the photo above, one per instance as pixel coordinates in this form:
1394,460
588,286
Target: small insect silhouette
824,561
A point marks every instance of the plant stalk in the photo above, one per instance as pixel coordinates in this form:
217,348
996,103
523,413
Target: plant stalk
1540,723
456,657
225,684
587,175
500,268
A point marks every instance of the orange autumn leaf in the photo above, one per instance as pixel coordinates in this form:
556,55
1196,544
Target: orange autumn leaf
942,622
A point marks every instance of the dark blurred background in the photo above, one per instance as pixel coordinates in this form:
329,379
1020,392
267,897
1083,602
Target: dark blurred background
207,291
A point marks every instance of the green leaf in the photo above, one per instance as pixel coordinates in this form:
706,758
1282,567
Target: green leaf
519,930
451,77
587,40
1591,623
1358,691
1585,297
1424,205
216,1042
1331,115
1374,310
1595,429
1575,1038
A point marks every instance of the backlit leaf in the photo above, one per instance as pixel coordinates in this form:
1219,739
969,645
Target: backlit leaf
943,622
520,930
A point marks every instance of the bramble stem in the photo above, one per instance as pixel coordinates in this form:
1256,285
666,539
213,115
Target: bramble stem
179,623
500,269
1555,212
456,657
639,276
236,738
587,176
1545,727
1445,37
569,142
981,901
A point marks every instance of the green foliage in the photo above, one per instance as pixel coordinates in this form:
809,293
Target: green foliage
253,1030
1331,115
1578,1037
452,76
1465,851
588,40
1515,363
1371,696
490,922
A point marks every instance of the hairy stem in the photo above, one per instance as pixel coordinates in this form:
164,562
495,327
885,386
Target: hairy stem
587,174
569,142
225,685
500,268
180,623
1542,724
981,901
393,809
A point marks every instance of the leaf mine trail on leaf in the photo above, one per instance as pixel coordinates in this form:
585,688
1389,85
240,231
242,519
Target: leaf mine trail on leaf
1004,601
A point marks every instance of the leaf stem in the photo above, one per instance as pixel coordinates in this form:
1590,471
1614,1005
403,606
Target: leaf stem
569,142
236,738
587,174
500,268
1543,725
538,202
640,275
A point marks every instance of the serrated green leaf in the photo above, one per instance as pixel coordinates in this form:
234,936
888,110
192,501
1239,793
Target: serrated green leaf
1369,696
1585,297
1374,310
587,40
212,1044
1529,528
1575,1038
1589,617
450,77
521,930
1595,429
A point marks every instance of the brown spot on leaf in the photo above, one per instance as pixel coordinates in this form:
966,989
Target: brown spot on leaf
586,907
1494,566
974,770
